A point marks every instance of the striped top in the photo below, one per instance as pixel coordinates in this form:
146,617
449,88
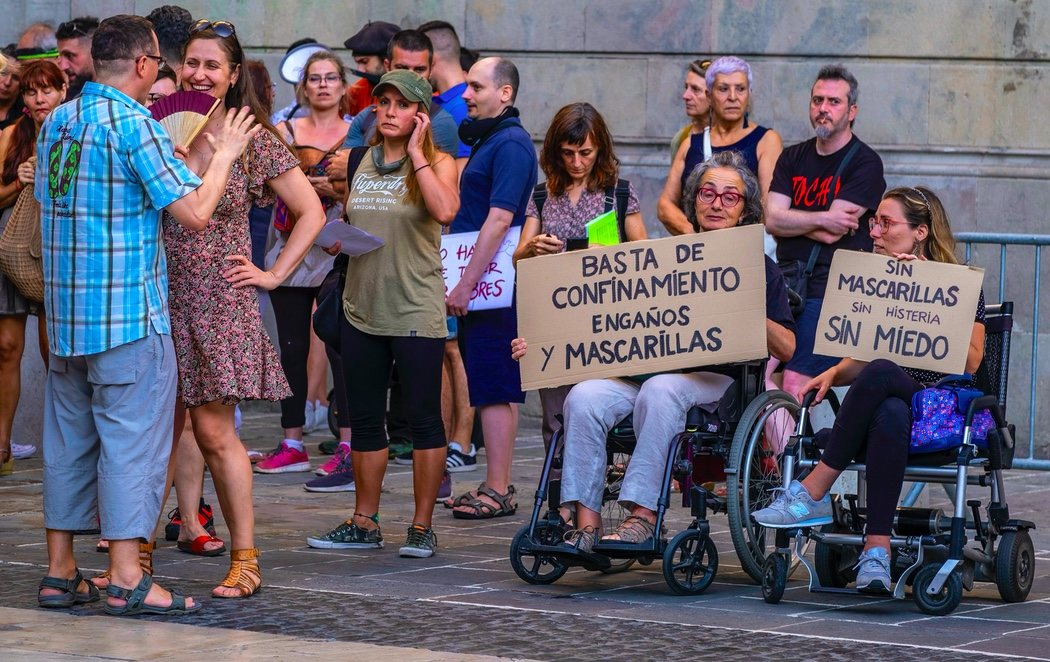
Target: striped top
105,170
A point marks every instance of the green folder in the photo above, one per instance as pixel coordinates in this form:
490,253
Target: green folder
603,230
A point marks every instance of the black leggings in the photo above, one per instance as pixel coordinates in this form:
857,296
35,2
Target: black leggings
293,310
874,426
367,362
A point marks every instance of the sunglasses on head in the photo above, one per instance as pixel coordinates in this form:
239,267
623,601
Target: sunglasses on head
222,28
74,27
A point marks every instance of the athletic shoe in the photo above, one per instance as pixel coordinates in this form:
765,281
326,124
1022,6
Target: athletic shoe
348,536
334,462
458,461
873,571
794,508
22,451
398,447
318,419
445,489
340,480
287,459
404,459
420,543
256,456
308,416
328,447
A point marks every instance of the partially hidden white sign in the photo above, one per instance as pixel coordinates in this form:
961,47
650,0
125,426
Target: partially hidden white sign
496,287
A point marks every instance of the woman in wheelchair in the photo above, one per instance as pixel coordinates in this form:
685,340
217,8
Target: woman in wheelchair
873,424
722,193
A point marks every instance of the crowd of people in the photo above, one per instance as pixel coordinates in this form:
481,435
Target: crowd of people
161,263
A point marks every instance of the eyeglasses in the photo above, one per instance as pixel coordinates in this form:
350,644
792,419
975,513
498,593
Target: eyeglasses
331,79
222,28
729,199
883,223
161,62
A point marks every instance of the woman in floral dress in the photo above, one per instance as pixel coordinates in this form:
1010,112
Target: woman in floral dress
223,352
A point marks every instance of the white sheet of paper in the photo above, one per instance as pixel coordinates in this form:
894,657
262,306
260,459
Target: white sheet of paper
355,240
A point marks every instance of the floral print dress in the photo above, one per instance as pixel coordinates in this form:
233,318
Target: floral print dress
223,350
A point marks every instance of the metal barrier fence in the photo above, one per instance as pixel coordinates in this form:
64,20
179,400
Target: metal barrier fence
977,239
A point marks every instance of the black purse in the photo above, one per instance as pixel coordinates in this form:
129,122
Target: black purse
329,314
796,277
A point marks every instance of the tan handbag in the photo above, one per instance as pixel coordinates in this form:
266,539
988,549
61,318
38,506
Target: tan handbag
20,247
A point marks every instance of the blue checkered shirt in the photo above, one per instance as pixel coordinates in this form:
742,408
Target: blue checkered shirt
105,169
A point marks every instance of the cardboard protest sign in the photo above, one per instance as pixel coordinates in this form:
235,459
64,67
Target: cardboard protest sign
642,307
918,314
496,287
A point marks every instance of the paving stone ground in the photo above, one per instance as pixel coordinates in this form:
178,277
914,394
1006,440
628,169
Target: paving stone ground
467,600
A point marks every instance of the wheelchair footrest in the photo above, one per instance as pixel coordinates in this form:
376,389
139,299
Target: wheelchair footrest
591,560
850,591
624,550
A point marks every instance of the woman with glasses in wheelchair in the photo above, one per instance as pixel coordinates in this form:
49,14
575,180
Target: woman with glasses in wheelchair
722,193
873,424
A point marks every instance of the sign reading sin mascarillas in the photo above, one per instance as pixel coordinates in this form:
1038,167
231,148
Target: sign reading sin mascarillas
918,314
643,307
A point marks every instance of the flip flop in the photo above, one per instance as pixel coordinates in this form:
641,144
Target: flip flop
196,546
135,600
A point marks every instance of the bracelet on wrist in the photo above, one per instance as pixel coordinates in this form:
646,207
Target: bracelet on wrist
425,165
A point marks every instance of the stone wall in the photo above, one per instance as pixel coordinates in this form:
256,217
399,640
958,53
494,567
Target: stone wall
952,91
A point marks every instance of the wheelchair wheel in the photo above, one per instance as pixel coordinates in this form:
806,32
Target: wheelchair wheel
757,474
774,578
945,601
333,414
537,568
834,563
1014,565
612,512
690,562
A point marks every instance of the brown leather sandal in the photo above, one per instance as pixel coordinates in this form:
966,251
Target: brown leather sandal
244,574
633,530
505,504
101,580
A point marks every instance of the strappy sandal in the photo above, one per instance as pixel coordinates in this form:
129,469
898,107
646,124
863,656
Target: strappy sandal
197,546
464,499
101,580
482,510
581,540
135,600
244,574
633,530
70,595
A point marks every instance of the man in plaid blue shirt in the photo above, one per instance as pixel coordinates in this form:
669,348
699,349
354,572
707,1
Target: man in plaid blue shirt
105,170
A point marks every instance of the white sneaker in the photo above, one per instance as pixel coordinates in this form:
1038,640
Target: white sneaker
22,451
308,415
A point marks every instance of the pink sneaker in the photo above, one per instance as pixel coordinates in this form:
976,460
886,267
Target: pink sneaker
330,467
286,460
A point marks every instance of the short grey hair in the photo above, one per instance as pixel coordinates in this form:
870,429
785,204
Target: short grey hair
728,159
839,72
729,64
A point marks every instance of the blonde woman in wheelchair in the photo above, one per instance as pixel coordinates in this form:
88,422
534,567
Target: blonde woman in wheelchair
874,422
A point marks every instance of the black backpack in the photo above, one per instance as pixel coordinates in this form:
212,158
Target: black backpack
614,196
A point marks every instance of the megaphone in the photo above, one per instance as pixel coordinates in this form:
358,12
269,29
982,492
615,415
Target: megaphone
293,62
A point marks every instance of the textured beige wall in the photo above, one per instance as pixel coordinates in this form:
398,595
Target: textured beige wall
953,92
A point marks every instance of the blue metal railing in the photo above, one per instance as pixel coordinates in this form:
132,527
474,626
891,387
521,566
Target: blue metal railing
1036,241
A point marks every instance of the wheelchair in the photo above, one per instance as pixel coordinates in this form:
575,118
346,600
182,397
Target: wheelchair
930,551
724,445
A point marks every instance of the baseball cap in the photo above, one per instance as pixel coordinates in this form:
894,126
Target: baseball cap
372,39
409,84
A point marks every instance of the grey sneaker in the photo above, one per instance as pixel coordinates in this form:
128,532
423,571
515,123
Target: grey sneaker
348,536
793,508
873,571
420,542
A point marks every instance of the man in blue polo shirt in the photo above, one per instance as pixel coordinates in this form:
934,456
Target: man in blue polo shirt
494,190
105,170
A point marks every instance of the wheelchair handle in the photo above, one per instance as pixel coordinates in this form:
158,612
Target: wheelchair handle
807,399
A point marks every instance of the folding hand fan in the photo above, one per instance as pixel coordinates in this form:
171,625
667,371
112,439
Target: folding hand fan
183,114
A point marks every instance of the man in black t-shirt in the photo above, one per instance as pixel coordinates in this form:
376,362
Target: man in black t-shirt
824,190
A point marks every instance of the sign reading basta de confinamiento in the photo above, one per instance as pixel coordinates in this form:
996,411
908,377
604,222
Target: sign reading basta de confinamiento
918,314
643,307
